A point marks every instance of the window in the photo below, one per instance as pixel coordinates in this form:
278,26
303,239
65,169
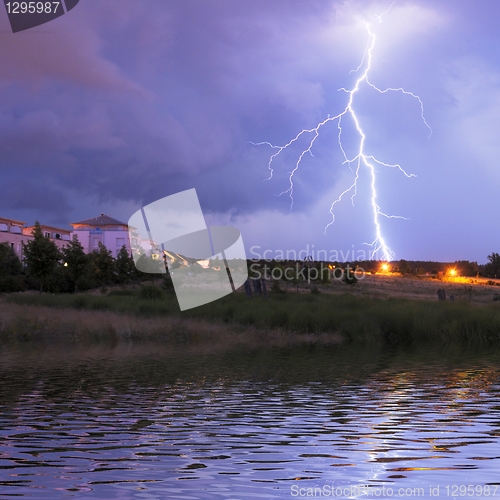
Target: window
96,243
120,242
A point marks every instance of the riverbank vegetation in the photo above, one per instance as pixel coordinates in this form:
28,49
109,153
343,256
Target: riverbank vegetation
314,316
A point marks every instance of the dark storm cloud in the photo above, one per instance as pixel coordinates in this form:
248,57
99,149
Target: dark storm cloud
123,97
26,195
127,101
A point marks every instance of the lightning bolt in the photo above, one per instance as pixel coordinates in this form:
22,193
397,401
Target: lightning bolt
361,159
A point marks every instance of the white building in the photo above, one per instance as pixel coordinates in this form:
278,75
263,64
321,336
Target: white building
55,234
15,233
11,232
112,233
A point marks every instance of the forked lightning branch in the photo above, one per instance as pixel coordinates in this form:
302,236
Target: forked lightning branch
364,162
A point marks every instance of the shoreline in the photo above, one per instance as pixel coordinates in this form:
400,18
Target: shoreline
29,323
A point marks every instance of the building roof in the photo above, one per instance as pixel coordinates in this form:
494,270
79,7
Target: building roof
12,221
102,220
43,226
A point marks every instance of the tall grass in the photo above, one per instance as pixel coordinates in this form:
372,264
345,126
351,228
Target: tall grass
359,319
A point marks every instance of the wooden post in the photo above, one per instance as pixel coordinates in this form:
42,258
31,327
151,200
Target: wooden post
248,289
264,288
257,286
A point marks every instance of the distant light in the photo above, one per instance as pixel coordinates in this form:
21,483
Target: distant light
65,264
453,272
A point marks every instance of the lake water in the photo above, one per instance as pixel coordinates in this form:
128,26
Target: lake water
146,421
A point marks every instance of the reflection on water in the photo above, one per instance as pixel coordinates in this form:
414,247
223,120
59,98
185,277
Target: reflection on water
139,421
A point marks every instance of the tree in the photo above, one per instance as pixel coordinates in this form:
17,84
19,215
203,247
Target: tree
466,268
125,266
41,257
150,267
102,265
404,267
76,263
9,262
10,270
492,269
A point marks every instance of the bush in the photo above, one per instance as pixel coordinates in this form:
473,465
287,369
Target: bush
349,277
10,284
150,292
275,288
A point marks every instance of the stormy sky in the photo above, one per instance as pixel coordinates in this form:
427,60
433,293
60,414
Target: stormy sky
121,102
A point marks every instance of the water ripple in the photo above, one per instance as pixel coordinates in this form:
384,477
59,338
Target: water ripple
246,438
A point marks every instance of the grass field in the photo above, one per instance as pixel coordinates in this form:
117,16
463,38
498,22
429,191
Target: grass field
377,309
475,290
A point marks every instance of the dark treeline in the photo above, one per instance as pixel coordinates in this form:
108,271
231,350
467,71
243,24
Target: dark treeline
404,267
462,267
419,267
46,268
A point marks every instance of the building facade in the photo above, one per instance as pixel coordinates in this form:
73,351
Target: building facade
55,234
14,233
11,233
110,232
